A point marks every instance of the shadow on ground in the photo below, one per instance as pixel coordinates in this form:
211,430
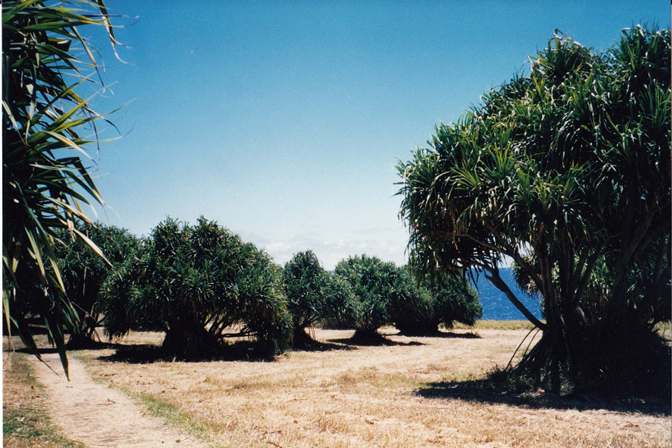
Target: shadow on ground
322,346
236,351
483,391
91,345
375,341
146,354
241,350
443,334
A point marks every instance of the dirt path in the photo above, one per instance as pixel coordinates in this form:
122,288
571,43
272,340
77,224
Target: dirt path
98,416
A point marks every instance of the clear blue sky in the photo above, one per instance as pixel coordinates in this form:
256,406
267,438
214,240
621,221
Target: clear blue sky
284,120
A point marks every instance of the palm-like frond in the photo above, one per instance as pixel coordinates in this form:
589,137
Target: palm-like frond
569,165
44,178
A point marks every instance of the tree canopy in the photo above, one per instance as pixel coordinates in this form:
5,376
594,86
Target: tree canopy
302,279
194,282
84,273
314,295
565,169
375,284
427,303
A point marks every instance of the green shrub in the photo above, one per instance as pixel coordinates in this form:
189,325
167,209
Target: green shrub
340,308
315,295
422,308
263,307
373,284
302,278
84,272
413,309
455,300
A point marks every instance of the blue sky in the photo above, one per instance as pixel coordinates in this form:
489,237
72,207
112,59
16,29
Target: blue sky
284,120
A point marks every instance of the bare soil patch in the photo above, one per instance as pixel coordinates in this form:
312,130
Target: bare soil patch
399,394
25,423
97,415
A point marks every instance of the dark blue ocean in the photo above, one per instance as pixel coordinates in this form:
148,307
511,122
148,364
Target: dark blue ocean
495,304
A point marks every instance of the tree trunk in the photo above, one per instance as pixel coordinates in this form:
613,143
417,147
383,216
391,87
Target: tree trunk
186,338
494,277
301,338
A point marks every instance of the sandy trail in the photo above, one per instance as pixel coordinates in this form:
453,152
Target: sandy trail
98,416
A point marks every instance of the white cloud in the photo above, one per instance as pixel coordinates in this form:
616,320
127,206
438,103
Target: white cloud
387,246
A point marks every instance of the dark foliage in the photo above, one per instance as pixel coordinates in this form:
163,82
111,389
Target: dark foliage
194,282
567,171
426,304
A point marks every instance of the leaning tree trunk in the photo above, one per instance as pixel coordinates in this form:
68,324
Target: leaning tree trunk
544,360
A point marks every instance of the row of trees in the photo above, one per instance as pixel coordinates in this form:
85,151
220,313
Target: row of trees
367,293
567,171
200,284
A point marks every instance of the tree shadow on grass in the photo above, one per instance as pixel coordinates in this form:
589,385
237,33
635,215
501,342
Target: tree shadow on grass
235,351
241,350
321,346
145,354
91,346
443,334
73,346
484,391
376,340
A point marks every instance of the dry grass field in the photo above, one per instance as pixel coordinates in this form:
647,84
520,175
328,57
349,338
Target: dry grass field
410,393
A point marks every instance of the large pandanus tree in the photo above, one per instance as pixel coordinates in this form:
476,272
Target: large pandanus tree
47,126
375,284
567,171
196,282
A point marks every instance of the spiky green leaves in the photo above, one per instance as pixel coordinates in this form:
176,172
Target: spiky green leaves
44,178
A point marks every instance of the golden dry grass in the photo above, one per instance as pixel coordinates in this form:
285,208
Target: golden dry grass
497,325
353,396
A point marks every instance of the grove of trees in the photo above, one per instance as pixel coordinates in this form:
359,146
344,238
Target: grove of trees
567,171
390,295
200,284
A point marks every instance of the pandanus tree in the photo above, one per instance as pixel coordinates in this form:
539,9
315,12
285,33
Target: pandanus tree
195,283
375,284
302,277
46,126
411,309
84,272
567,171
340,308
426,303
315,295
